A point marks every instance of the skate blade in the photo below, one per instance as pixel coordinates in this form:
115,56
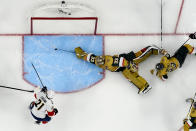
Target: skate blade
146,90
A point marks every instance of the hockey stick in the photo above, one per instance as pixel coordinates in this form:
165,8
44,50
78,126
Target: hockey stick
56,49
38,75
16,89
161,23
185,42
188,115
191,106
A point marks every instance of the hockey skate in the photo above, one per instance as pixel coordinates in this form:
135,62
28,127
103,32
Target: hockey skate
145,90
80,53
38,122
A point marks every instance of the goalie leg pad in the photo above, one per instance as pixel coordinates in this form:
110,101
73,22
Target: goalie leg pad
137,80
144,53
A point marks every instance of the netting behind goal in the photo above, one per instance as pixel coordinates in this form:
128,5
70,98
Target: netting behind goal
64,25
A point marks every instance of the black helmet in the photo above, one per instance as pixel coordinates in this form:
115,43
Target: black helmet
159,66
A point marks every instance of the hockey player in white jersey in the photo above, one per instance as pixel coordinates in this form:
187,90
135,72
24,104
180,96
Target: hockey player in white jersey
42,109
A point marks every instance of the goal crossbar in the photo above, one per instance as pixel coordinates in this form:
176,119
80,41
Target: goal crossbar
63,18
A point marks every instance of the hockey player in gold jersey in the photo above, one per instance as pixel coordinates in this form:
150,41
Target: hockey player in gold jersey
190,121
126,63
169,64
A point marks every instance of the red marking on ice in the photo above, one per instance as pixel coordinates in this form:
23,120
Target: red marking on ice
94,33
179,16
24,73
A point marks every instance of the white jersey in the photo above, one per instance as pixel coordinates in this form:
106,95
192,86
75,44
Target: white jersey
43,105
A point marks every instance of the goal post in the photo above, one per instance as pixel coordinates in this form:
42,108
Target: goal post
63,25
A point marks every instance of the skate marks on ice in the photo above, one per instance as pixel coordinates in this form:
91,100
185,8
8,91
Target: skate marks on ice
61,71
62,9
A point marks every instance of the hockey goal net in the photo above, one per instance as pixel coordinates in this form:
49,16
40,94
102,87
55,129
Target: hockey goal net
63,18
64,25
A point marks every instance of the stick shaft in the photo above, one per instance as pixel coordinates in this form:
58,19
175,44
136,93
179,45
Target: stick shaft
161,23
191,106
16,89
37,74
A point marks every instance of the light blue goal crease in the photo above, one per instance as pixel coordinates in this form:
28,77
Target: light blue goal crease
59,70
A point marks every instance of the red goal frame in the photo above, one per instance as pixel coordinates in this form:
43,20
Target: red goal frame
64,18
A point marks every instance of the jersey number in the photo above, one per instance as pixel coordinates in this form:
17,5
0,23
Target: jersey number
39,104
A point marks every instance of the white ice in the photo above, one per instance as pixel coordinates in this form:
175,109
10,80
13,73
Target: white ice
113,104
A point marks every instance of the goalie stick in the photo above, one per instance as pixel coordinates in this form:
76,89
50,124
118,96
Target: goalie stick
7,87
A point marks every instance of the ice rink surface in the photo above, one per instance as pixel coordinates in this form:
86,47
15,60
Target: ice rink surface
113,104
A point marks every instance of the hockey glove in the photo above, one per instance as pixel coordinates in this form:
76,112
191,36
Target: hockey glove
192,36
165,53
44,89
55,111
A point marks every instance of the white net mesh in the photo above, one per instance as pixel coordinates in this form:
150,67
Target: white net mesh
61,25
